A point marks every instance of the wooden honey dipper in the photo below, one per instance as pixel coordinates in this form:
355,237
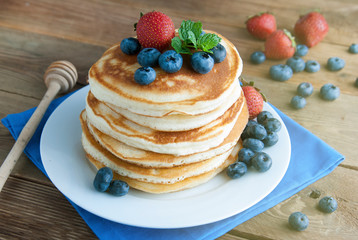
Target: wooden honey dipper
60,76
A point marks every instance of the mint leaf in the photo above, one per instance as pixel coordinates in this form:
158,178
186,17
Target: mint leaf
208,41
178,46
190,37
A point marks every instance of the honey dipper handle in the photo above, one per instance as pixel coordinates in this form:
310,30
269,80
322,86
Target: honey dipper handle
26,133
59,77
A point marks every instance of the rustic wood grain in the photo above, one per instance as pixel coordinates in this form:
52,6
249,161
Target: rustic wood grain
34,33
35,211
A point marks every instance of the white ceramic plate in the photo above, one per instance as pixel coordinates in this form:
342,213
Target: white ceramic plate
65,163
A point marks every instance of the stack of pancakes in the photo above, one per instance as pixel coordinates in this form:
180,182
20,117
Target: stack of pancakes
175,133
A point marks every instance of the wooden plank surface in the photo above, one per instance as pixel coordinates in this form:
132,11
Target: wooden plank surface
35,33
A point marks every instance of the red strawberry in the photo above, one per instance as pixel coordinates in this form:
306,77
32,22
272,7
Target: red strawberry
155,30
280,45
311,28
261,25
254,99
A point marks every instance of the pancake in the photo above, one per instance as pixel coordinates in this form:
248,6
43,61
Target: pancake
157,160
185,92
176,143
153,175
180,122
177,186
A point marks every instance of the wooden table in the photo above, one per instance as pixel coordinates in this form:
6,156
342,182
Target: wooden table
34,33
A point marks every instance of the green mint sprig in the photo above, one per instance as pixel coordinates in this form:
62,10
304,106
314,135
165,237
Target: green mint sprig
190,37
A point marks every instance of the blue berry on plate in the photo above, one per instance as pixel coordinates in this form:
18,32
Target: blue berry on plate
312,66
296,63
254,144
261,161
298,102
298,221
202,62
257,57
353,48
263,116
103,179
245,133
245,155
236,170
144,75
305,89
257,131
219,53
329,92
271,139
335,63
148,57
327,204
281,72
118,188
130,46
272,125
170,61
301,50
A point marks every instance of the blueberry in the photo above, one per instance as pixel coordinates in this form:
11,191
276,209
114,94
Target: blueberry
144,75
298,102
257,57
298,221
245,133
356,82
271,139
261,161
335,63
103,179
353,48
329,92
219,53
272,125
236,170
327,204
312,66
171,61
296,63
245,155
263,116
254,144
257,131
202,62
281,72
118,188
130,46
301,50
148,57
305,89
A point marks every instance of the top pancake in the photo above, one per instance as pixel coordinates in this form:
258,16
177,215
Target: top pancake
185,92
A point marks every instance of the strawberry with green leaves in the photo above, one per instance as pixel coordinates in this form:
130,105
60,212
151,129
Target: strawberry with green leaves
311,28
155,30
254,99
261,25
280,45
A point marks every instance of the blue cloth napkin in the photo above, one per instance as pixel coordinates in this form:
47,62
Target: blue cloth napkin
311,159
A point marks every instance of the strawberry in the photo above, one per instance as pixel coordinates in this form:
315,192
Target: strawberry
311,28
254,99
155,30
280,45
261,25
